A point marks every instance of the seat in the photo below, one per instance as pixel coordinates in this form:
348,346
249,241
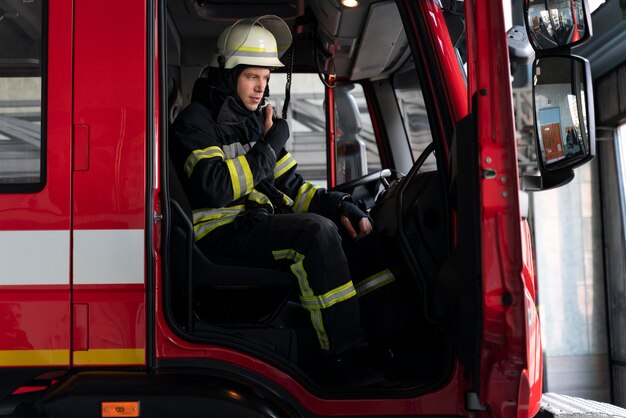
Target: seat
233,293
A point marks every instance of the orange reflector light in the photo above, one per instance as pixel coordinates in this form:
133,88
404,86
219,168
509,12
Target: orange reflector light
120,409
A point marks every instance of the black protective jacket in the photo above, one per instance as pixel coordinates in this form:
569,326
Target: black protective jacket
218,148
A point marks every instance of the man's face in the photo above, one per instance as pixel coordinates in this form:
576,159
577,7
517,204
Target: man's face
251,86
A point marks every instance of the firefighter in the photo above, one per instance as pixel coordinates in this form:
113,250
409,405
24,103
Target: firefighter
248,201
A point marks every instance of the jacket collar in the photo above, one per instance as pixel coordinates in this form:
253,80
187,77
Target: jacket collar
226,108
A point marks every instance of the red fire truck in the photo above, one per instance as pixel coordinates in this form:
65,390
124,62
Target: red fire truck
107,308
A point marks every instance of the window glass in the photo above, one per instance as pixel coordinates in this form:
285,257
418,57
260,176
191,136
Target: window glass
413,110
21,57
307,122
357,151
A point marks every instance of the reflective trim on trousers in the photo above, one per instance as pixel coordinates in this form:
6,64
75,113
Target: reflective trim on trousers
328,299
374,282
314,304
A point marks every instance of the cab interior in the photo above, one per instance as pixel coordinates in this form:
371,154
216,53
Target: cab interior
387,156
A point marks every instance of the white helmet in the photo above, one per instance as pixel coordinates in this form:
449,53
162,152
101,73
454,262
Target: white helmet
257,42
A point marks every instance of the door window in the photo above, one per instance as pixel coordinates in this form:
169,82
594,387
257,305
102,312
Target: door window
357,151
307,122
414,116
21,82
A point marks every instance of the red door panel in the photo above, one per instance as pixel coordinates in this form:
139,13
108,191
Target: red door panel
35,222
108,223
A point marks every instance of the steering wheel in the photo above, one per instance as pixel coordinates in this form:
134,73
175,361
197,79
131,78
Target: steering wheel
365,189
380,175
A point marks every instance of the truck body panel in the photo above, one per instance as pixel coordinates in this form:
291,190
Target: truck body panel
87,281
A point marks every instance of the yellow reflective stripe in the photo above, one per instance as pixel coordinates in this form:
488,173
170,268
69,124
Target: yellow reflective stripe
374,282
234,179
201,230
330,298
255,49
110,356
259,198
199,154
287,200
200,215
240,176
207,220
283,165
252,51
298,270
34,357
304,196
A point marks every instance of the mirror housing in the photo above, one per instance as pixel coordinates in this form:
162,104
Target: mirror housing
553,25
563,119
563,112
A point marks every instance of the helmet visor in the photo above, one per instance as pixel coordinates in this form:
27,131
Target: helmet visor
279,29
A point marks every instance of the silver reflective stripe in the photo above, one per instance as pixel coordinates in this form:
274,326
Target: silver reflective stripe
304,196
235,149
330,298
240,176
206,220
298,270
247,53
197,155
374,282
201,215
202,229
283,165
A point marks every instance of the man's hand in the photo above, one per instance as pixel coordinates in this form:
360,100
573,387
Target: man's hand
278,133
365,227
269,114
354,220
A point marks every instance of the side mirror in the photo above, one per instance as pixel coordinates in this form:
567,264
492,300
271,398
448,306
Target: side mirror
553,24
564,120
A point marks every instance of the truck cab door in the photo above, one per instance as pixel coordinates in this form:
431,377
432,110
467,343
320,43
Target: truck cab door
109,183
510,349
35,182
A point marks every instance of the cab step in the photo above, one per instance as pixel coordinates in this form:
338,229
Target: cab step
563,406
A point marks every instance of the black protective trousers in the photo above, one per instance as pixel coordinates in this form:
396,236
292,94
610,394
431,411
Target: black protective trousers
309,245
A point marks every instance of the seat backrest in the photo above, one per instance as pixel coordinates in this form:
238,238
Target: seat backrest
206,270
174,99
